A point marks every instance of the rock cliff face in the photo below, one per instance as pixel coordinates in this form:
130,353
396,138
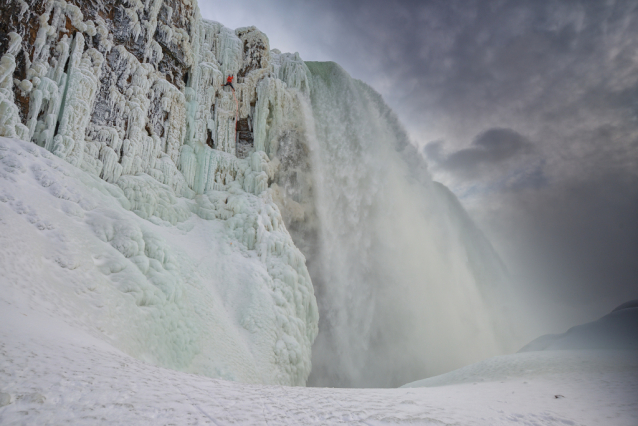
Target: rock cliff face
131,92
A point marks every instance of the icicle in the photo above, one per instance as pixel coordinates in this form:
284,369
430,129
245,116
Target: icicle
275,110
229,51
225,120
10,125
188,164
82,86
291,69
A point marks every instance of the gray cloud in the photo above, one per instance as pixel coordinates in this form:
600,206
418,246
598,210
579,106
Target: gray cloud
488,149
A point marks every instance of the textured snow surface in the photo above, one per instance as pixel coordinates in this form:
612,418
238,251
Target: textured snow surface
212,285
560,366
55,373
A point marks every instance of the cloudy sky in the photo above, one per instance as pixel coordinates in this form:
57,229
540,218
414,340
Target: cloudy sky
527,110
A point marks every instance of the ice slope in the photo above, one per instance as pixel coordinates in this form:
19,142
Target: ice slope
211,285
599,358
566,366
53,371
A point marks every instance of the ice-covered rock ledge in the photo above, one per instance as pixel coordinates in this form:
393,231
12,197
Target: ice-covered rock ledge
211,285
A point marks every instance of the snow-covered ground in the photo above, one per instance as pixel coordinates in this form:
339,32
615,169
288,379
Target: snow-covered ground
53,373
95,300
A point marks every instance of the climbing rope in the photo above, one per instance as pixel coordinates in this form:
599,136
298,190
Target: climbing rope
236,110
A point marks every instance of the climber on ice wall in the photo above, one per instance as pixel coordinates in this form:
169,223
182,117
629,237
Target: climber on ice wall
229,82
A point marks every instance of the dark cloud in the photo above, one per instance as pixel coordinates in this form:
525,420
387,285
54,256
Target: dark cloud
488,149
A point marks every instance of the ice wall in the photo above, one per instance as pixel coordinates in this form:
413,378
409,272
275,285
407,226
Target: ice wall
405,281
129,94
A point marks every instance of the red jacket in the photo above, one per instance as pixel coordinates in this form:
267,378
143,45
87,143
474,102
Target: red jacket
229,79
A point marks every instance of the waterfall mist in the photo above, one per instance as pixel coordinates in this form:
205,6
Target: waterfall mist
406,284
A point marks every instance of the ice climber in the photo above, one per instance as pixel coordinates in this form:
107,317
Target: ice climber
229,82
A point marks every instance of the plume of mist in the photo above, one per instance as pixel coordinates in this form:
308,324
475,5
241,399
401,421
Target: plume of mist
406,283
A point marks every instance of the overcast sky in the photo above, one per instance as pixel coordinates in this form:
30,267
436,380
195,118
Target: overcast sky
527,110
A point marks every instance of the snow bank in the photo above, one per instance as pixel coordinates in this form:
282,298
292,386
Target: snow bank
559,366
606,346
212,285
56,373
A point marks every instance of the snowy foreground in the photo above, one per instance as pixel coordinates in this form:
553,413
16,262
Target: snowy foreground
85,326
52,373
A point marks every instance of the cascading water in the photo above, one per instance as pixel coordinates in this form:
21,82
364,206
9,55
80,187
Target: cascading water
401,275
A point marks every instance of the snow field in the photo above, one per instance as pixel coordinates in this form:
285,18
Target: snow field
53,373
